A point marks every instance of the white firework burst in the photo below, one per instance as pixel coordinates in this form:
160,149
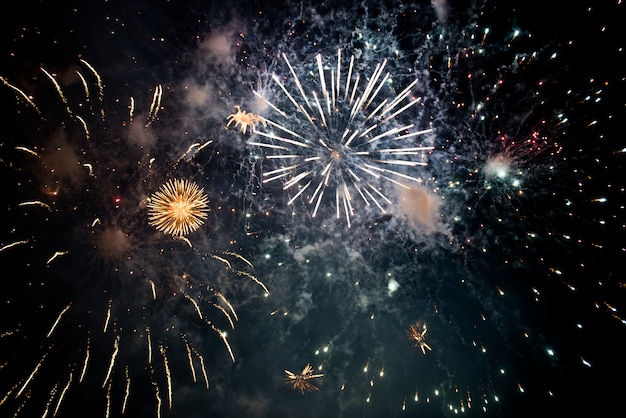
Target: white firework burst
348,137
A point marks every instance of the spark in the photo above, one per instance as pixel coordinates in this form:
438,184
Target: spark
98,81
178,207
28,150
223,260
21,93
13,244
36,203
116,348
108,317
126,391
167,375
190,359
301,381
55,255
59,316
239,256
62,395
90,168
149,338
59,91
85,362
153,289
30,377
348,153
155,105
254,279
193,148
195,305
53,392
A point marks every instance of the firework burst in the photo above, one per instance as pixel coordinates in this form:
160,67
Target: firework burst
301,381
178,207
347,139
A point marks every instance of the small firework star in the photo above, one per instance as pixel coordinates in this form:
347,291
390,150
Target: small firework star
418,336
244,120
301,381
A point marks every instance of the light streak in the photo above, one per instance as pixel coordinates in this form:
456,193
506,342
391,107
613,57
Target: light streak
59,316
107,318
239,256
13,244
55,255
155,105
190,359
53,392
195,305
149,338
28,150
116,348
167,375
98,82
36,203
195,148
85,362
153,289
62,395
21,94
30,377
59,91
254,279
126,391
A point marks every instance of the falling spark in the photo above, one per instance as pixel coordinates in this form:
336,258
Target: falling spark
116,348
62,395
36,203
13,244
21,94
167,375
126,391
55,255
85,362
58,319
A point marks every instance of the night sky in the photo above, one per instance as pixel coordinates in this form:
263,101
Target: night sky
426,206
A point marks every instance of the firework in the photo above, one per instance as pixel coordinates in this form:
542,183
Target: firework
178,208
301,381
346,139
244,120
132,331
418,336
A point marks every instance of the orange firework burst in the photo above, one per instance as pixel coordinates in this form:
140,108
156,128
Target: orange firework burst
418,336
178,208
301,381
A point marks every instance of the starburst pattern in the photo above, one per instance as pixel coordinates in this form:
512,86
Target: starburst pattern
347,137
418,336
178,207
301,381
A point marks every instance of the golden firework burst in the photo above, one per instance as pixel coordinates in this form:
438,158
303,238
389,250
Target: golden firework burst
178,207
301,381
